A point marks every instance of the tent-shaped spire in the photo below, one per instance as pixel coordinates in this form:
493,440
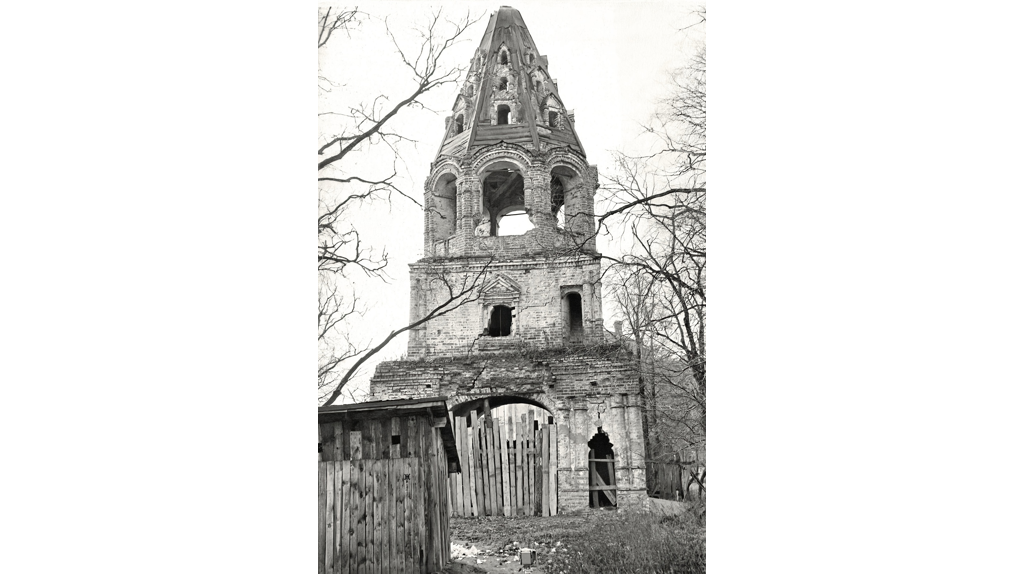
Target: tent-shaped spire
508,95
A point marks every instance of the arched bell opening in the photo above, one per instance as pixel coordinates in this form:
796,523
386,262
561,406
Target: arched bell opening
504,195
602,471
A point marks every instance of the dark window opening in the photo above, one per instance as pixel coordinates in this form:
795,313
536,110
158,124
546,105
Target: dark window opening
503,84
529,58
551,420
470,93
575,310
602,471
503,112
536,85
500,324
553,119
458,124
396,439
504,57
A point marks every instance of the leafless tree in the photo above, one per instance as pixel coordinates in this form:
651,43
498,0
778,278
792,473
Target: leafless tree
658,207
360,130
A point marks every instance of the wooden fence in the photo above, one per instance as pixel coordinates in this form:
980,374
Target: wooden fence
508,467
681,479
372,518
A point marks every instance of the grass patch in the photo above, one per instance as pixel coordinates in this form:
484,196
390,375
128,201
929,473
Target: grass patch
593,543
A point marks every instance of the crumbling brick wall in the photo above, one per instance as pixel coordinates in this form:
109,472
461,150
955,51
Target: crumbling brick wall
583,389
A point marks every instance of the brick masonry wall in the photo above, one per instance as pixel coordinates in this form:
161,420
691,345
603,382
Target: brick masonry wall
534,287
583,389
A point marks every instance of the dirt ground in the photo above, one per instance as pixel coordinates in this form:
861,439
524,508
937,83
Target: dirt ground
491,544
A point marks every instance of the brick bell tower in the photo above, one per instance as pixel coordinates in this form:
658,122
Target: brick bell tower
508,207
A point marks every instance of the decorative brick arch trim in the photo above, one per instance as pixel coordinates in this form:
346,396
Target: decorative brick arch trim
566,157
455,402
449,166
500,152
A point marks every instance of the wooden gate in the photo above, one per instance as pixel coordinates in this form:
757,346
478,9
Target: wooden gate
508,467
372,517
598,485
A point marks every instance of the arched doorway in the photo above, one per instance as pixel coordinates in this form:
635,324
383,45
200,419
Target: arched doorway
602,471
508,448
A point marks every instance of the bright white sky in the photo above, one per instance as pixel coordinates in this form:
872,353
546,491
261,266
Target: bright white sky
611,61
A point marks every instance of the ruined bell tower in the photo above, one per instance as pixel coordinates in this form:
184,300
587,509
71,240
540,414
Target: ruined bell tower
508,211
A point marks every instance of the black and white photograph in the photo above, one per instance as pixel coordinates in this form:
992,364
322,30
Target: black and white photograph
522,363
532,181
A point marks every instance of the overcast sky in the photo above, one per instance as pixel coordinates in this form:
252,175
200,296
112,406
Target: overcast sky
611,60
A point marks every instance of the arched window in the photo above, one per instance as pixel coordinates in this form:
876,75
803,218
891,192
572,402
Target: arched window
500,324
503,112
458,124
553,119
504,58
503,84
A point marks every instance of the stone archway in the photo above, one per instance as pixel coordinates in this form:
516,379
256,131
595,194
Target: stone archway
509,457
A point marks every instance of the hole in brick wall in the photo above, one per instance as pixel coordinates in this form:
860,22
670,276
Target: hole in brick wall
504,57
551,386
396,439
503,112
503,84
592,383
428,385
551,420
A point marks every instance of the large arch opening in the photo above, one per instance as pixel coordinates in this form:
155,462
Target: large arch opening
445,207
504,197
602,471
508,449
503,112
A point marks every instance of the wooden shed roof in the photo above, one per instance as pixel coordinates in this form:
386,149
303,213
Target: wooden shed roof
434,407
